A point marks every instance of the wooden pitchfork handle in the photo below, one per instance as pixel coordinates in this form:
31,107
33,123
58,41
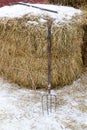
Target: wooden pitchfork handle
49,56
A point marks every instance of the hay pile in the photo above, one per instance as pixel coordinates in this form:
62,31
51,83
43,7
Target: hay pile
23,52
84,46
74,3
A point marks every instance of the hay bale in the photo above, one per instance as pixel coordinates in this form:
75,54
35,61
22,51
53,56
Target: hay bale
84,47
23,54
74,3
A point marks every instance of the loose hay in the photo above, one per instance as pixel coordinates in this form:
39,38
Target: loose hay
74,3
84,47
23,54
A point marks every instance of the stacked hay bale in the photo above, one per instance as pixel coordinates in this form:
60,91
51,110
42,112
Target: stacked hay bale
85,46
23,54
74,3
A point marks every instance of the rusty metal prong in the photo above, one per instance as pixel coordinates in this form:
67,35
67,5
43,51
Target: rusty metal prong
50,104
47,104
53,102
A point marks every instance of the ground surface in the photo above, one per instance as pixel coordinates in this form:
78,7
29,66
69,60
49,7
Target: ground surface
20,109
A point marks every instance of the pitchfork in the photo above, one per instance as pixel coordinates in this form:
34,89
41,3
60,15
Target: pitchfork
49,99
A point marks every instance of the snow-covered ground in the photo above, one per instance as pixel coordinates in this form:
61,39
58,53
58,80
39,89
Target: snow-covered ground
63,13
21,109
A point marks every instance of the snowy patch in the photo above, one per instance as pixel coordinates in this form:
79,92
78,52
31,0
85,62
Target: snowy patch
21,109
32,22
63,13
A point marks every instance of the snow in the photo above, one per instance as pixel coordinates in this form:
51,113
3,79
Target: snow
21,108
64,13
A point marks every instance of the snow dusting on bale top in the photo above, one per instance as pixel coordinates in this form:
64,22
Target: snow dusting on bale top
23,43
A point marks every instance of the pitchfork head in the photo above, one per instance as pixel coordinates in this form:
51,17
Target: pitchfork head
49,102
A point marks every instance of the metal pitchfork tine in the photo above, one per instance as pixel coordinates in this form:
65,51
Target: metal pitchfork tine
49,99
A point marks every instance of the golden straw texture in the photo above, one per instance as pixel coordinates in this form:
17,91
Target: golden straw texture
74,3
23,53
